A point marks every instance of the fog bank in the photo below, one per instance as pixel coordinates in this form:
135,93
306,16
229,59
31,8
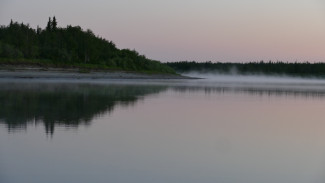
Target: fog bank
255,79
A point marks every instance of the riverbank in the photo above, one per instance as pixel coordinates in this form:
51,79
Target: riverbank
75,73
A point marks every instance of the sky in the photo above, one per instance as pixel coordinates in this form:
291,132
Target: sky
200,30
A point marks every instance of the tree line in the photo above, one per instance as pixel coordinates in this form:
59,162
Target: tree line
279,67
69,46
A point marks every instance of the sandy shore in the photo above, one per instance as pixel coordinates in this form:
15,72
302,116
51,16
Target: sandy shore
61,73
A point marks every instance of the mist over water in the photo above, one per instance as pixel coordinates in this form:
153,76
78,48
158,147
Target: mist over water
255,78
266,82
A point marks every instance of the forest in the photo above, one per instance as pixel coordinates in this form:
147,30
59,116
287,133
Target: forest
269,68
69,47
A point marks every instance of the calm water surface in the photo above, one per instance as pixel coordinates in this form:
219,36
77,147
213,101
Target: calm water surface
203,131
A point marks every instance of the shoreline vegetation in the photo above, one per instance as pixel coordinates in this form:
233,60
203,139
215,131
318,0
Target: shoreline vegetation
304,69
70,48
55,51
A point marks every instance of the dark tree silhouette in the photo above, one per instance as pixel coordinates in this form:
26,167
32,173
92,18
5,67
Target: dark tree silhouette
69,47
295,69
49,25
54,23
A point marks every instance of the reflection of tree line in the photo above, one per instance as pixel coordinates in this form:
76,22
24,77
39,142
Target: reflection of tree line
66,104
70,105
262,91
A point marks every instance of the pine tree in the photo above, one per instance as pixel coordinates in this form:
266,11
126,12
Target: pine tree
49,25
54,23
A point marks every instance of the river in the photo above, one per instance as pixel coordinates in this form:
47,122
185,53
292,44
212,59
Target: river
156,131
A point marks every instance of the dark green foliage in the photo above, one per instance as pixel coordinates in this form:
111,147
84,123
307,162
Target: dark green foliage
54,24
272,68
49,25
70,45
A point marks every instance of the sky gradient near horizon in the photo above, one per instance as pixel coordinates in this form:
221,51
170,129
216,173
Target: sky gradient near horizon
201,30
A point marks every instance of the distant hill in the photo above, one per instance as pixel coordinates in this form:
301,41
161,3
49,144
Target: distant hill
69,47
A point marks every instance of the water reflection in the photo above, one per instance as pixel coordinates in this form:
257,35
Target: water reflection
64,104
186,131
73,104
255,90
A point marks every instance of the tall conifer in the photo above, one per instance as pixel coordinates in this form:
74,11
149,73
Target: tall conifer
54,23
49,25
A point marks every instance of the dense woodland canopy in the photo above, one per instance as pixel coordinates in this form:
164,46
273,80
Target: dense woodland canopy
70,46
295,69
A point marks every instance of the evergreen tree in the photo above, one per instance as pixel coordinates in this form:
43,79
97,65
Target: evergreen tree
54,23
49,25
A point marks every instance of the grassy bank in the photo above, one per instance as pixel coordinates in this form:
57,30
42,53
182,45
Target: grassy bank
12,64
